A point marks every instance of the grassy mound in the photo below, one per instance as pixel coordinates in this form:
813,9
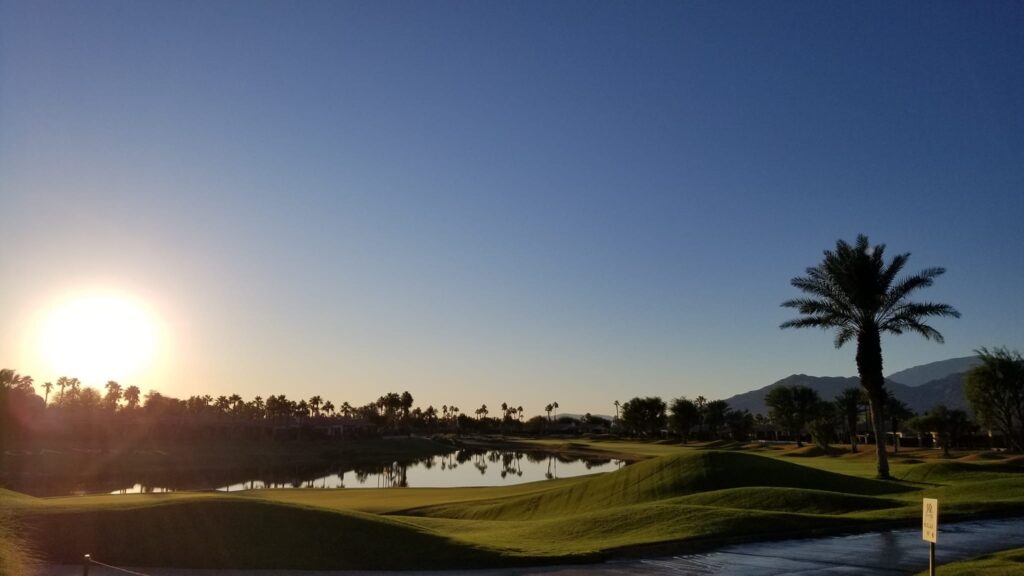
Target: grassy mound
797,500
662,478
221,533
814,451
15,556
943,472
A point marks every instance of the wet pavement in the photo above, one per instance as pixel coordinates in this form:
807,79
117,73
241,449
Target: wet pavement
884,553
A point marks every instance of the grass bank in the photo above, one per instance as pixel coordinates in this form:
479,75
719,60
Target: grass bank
1005,563
15,557
60,470
677,498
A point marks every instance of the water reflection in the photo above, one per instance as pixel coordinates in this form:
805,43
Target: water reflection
460,468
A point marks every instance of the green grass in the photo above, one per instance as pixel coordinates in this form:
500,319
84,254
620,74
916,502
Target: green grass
1005,563
683,498
15,557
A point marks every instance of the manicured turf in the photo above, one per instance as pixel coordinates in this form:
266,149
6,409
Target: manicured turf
15,556
684,497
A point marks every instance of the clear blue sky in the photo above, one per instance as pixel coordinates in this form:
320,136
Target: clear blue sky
482,202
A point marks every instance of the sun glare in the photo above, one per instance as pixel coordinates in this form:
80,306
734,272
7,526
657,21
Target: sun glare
98,338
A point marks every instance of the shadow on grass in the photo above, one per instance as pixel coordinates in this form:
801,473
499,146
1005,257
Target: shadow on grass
225,534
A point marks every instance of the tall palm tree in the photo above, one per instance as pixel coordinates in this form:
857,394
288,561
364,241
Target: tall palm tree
314,404
131,397
856,292
47,387
114,394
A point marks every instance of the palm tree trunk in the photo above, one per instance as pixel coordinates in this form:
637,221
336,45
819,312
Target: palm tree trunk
878,425
869,367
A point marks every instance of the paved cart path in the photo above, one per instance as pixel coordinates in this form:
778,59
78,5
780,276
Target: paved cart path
883,553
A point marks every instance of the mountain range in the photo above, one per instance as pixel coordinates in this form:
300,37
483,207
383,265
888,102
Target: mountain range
921,387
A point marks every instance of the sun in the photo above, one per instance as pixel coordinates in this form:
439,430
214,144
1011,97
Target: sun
99,337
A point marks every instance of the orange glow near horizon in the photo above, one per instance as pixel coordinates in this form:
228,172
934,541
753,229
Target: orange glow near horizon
99,337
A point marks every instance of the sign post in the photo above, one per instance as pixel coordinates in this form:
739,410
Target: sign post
930,529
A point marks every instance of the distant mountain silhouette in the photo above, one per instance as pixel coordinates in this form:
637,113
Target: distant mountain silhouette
926,373
946,388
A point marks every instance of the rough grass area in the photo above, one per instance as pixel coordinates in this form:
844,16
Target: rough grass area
686,497
15,557
1005,563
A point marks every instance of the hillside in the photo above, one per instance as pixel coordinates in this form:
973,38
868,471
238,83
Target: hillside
925,373
946,388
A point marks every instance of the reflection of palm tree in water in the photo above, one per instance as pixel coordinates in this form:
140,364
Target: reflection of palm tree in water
393,476
480,461
552,475
511,464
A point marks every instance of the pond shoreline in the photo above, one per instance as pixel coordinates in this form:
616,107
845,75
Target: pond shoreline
368,463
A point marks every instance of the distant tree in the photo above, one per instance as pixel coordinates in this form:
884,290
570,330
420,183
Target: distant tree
481,412
131,397
314,404
683,417
47,387
792,407
848,404
88,399
947,425
405,402
822,422
69,388
995,390
222,404
258,407
113,396
644,416
740,424
329,408
700,402
897,412
236,404
854,291
714,416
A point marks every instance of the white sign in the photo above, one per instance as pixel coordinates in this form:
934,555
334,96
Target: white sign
930,520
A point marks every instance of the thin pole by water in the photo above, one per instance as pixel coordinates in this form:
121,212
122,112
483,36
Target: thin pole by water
86,560
931,559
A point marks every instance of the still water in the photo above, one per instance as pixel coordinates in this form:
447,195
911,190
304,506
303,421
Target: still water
462,468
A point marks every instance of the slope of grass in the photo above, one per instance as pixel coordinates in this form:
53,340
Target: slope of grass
662,478
235,533
798,500
688,497
1005,563
15,557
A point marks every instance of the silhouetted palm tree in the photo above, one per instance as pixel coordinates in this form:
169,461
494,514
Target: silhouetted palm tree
131,397
47,387
848,404
114,394
855,291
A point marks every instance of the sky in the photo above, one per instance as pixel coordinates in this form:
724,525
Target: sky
487,202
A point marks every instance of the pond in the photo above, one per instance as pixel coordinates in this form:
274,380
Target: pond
461,468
